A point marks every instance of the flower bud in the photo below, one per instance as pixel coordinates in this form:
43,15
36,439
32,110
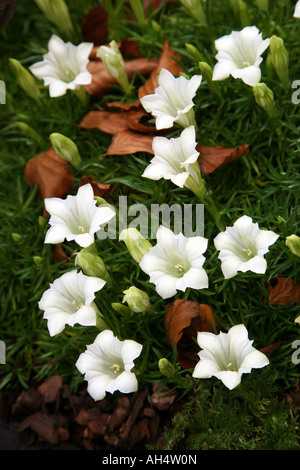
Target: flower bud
136,244
293,243
166,368
280,59
16,237
31,133
91,264
207,73
137,300
122,309
65,148
264,97
57,12
138,10
114,63
194,52
38,260
25,80
196,10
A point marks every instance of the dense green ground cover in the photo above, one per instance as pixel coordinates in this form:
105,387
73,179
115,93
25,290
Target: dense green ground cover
263,184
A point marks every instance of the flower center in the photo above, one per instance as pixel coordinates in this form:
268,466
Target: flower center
246,64
77,304
82,229
116,368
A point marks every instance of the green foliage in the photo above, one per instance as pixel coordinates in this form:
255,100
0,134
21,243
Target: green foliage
250,417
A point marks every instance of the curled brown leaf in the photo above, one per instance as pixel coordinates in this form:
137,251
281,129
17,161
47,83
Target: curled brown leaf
282,291
100,189
128,142
183,319
168,60
211,158
51,173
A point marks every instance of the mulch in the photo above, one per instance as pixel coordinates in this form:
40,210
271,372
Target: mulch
49,417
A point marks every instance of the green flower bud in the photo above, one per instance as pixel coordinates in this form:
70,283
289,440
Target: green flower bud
166,368
31,133
194,52
137,300
138,10
196,10
114,64
264,97
207,73
122,309
16,237
65,148
136,244
280,59
57,12
25,80
91,264
293,244
38,260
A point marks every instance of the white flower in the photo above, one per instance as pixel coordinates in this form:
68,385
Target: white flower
175,263
64,66
107,364
69,300
243,246
239,55
297,10
227,356
76,217
172,100
175,159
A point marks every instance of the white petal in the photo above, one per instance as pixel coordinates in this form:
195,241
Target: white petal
223,69
257,264
297,10
85,316
194,278
230,378
125,383
250,75
205,369
256,359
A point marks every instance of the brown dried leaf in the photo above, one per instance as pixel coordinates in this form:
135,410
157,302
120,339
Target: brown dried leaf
166,61
183,319
113,122
282,291
102,80
94,27
100,189
128,142
52,174
211,158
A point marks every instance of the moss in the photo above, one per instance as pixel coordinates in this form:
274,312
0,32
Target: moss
251,417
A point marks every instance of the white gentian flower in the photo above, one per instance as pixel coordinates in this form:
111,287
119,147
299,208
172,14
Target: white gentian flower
175,159
76,217
64,66
227,356
175,263
107,364
297,10
243,246
70,300
172,100
239,55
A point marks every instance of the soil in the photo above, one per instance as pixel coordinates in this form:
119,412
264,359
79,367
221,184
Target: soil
49,417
